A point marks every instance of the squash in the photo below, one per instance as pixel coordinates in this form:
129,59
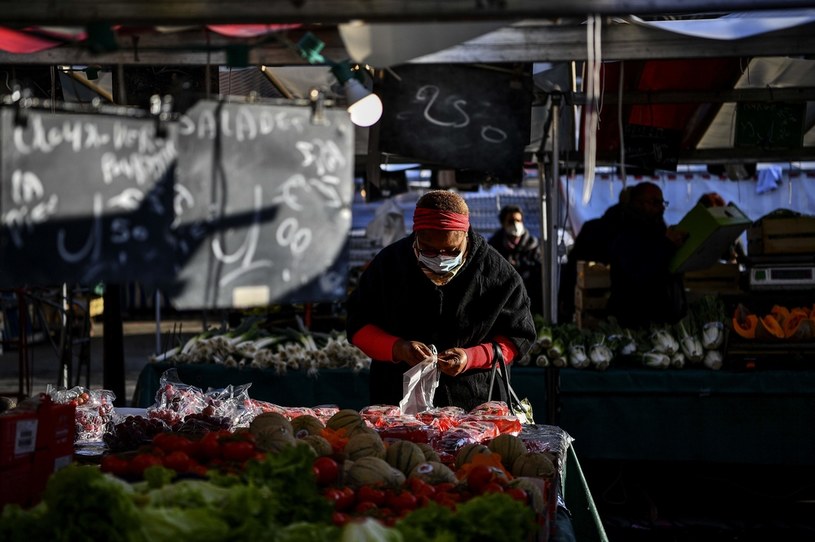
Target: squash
509,447
429,453
768,328
533,464
466,453
364,445
373,471
434,472
270,420
404,455
347,419
274,439
780,313
535,491
745,324
320,445
306,425
799,328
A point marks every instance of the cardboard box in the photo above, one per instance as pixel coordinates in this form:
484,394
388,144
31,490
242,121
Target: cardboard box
782,236
593,275
18,436
711,231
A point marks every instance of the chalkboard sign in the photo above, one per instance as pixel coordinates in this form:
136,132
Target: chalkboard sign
770,125
457,116
85,198
650,148
263,205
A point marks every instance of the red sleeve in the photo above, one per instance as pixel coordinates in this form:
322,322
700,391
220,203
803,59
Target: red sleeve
374,342
480,356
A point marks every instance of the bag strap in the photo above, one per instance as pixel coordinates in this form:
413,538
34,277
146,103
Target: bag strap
499,366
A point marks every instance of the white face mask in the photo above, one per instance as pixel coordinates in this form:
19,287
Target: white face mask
442,264
516,229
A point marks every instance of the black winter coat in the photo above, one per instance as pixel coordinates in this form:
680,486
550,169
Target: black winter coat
484,300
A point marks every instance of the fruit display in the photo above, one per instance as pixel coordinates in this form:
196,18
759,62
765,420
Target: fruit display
320,478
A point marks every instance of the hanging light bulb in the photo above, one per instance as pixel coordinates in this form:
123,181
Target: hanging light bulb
364,106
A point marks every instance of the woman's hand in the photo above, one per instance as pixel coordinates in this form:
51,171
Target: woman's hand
411,352
453,361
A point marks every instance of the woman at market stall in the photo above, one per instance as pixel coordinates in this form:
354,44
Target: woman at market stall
444,286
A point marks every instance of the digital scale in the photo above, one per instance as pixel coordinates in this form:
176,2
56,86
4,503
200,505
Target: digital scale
782,273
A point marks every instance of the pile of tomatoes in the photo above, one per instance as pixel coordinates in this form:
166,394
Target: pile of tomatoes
389,504
222,450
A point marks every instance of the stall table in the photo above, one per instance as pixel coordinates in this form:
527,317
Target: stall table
624,413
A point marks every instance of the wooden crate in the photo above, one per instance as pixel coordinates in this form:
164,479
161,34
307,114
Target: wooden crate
782,236
591,299
592,275
720,277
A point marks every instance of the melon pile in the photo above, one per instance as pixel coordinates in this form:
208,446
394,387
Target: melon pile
363,474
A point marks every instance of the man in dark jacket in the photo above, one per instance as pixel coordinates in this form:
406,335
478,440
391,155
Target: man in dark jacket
522,250
443,286
643,290
592,244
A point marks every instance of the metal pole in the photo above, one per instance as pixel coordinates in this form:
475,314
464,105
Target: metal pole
158,322
548,199
552,211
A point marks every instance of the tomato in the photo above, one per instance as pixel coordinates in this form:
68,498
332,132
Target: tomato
178,461
141,462
342,497
237,450
171,442
326,470
479,476
114,465
493,487
401,500
420,488
209,447
371,494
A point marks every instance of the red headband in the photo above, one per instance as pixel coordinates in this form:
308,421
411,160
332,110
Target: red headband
434,219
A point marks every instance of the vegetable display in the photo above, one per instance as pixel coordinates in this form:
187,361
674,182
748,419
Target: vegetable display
781,324
697,340
280,349
226,485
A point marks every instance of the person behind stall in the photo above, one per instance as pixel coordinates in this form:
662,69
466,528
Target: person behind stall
592,244
522,250
643,290
735,252
441,285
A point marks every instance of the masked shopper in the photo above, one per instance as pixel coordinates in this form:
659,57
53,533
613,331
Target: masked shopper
442,285
522,250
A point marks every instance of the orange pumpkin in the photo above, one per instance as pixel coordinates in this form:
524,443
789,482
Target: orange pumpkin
768,328
746,325
780,313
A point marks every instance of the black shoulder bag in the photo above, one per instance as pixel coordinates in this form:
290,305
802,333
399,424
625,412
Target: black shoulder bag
521,408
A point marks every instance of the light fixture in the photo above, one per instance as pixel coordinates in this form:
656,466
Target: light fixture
364,106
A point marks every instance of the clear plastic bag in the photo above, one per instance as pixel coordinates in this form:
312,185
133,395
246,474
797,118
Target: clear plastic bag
419,385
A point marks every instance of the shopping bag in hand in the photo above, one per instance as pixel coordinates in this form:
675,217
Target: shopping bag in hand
419,385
